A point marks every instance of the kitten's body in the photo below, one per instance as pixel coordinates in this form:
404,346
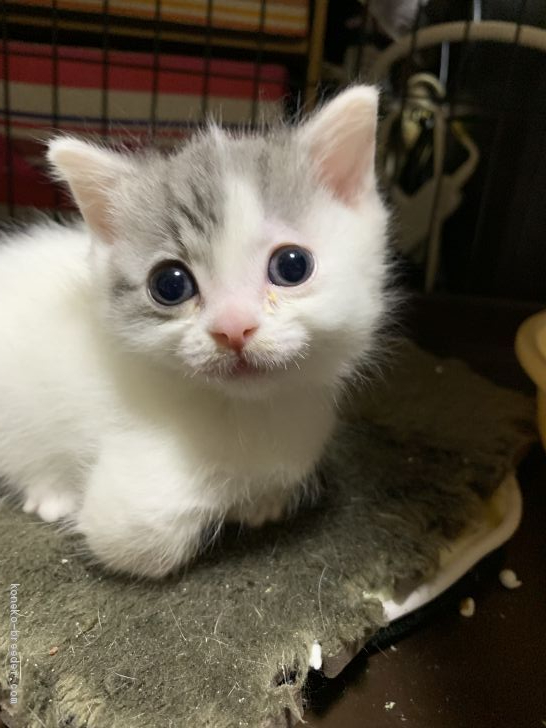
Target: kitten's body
70,395
126,416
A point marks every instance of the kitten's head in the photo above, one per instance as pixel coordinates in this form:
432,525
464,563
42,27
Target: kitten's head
246,262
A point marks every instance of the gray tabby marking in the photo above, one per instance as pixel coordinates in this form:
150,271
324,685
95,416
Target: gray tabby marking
121,287
196,222
204,206
148,312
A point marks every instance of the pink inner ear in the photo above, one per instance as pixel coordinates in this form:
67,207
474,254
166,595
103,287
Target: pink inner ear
341,140
92,174
346,173
96,213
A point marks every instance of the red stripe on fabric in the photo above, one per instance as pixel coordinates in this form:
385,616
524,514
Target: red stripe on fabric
129,71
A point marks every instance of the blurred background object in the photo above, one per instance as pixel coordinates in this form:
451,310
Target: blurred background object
463,158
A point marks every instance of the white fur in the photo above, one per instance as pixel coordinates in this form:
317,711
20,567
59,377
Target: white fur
132,432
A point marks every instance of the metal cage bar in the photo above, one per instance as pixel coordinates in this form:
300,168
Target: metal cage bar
52,29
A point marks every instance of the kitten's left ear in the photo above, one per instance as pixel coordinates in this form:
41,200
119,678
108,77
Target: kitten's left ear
340,139
93,175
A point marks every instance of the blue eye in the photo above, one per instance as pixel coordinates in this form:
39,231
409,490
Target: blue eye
171,283
290,266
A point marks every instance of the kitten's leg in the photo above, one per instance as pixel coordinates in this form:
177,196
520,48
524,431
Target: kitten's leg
139,515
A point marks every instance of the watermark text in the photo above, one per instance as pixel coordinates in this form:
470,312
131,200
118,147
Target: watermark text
14,660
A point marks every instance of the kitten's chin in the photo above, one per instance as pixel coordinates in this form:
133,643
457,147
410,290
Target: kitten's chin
247,389
246,382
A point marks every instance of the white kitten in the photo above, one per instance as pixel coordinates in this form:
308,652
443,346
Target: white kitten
176,361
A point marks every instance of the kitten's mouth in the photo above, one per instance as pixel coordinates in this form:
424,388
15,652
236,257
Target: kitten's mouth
244,368
240,369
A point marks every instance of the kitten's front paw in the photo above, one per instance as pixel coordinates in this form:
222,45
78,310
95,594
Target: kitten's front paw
50,506
256,513
126,539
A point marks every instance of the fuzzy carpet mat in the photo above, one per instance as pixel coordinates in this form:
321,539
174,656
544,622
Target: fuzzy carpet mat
228,643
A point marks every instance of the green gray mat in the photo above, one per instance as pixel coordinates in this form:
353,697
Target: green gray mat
227,643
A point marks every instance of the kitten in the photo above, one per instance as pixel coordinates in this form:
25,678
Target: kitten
175,360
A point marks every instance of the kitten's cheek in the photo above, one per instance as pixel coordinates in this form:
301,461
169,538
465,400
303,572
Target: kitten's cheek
193,306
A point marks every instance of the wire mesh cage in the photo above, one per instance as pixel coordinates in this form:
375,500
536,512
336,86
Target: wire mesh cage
462,143
132,72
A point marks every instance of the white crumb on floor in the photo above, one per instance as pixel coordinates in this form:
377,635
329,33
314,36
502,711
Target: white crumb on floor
64,561
389,705
509,580
467,607
393,648
315,658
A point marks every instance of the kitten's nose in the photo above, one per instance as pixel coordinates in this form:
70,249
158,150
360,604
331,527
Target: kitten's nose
233,333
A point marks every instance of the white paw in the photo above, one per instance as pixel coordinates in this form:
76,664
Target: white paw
255,514
50,506
30,505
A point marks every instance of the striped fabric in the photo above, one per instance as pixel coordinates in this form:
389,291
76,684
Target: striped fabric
180,83
280,17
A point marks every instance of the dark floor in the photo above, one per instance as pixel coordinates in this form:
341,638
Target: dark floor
488,671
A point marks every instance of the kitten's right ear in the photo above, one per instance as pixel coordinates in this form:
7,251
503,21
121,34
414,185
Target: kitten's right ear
93,175
340,139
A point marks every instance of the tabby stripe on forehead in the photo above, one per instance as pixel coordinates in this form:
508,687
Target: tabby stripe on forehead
204,206
196,222
174,205
176,235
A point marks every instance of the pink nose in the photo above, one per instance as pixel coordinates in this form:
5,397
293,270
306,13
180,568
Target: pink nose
233,337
